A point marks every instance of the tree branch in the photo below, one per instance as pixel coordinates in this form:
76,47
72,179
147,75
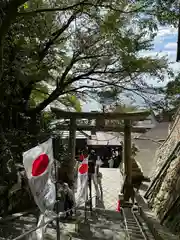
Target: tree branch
62,86
83,3
11,13
57,9
53,96
10,16
81,87
56,35
136,90
57,92
80,77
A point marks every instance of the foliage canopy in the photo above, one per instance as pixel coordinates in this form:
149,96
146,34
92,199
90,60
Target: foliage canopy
62,51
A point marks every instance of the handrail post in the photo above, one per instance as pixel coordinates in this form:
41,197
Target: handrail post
57,202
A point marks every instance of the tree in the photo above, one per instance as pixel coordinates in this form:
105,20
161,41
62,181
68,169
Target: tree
166,13
121,108
170,99
54,51
102,52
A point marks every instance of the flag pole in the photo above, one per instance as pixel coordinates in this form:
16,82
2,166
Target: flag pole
57,202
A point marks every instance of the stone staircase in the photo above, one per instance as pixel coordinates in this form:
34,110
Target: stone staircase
101,224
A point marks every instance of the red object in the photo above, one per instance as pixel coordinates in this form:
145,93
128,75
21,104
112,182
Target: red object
81,157
118,209
83,168
40,165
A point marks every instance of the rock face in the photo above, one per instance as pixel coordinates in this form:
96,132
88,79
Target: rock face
148,143
164,192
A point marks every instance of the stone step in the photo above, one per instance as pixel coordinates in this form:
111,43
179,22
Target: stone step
161,231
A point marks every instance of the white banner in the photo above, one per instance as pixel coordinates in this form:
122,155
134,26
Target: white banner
82,182
38,165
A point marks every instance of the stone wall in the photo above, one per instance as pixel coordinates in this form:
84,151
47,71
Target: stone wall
166,149
148,144
145,155
165,194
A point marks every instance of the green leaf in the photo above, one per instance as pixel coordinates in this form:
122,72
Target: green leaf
38,94
25,5
71,101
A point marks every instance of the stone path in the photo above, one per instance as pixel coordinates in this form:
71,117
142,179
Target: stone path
111,184
104,223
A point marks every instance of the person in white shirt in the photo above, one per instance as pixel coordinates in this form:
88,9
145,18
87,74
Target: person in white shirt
92,172
111,162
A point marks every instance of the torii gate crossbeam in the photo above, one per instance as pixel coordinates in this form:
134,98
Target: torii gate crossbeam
100,118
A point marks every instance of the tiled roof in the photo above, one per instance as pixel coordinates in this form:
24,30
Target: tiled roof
79,135
160,131
102,138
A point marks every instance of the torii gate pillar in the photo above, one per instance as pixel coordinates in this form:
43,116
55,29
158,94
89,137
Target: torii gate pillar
127,160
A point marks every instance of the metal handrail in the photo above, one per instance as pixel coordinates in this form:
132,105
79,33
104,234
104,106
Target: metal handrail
150,225
139,226
125,223
48,222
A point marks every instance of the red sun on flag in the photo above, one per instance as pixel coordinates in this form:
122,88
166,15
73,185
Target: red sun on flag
83,168
40,165
81,157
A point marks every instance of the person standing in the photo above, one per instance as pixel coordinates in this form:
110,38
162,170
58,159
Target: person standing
111,162
99,177
92,174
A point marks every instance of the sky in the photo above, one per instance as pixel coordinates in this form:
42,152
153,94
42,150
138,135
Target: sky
165,43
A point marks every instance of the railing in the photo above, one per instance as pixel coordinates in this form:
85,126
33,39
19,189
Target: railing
130,216
150,225
131,221
26,234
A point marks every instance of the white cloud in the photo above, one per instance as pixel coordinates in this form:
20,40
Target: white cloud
164,45
171,45
91,105
166,31
176,67
171,55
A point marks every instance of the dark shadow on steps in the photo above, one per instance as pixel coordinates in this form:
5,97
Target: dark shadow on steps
9,231
14,225
15,228
99,204
144,186
101,225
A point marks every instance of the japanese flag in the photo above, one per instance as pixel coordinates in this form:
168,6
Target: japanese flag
38,165
82,181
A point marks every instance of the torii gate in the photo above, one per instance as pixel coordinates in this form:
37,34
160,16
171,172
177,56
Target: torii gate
100,125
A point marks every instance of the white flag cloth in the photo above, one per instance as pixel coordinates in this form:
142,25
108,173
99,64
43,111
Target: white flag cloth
82,182
41,231
38,165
